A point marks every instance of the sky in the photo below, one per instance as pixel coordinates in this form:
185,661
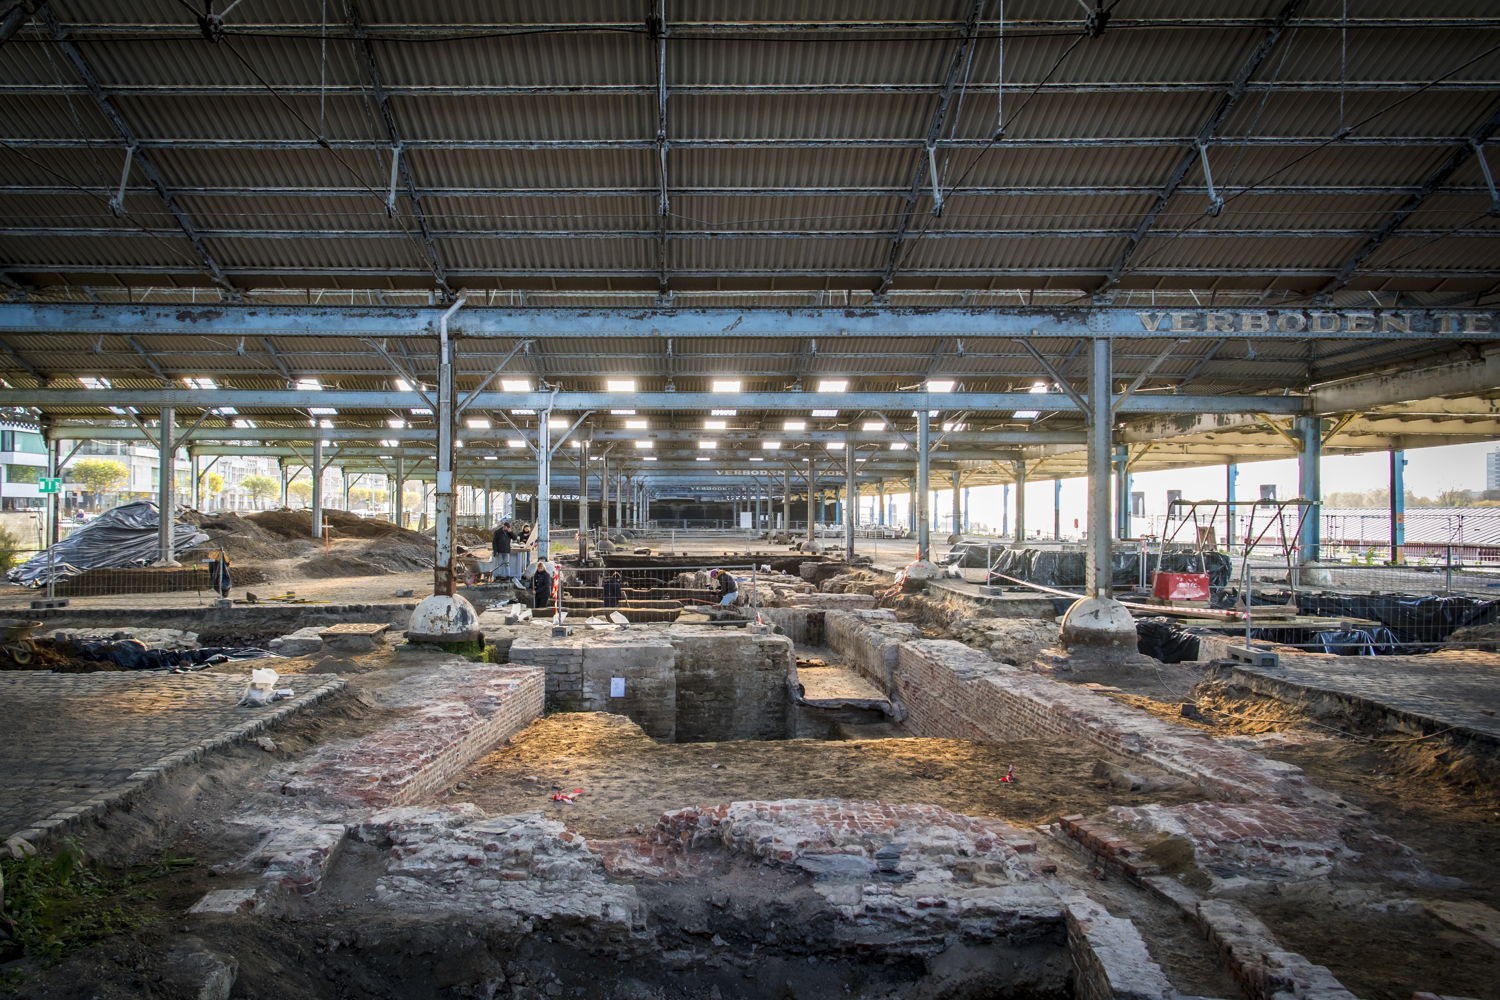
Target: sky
1429,471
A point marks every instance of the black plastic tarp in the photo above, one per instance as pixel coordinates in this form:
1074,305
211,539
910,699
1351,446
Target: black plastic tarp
134,655
125,536
1169,642
1065,569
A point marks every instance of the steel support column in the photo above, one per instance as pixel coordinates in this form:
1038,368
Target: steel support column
195,490
398,493
583,500
317,487
786,500
1310,485
1099,521
1398,504
1057,510
958,503
924,448
850,501
542,496
1018,469
1231,480
812,533
166,486
1122,491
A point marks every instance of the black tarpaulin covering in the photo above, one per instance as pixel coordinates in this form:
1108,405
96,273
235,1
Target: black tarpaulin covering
125,536
134,655
1169,642
1411,618
1056,568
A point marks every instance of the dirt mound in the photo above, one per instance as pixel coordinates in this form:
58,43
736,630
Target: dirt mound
399,554
1485,637
245,540
340,564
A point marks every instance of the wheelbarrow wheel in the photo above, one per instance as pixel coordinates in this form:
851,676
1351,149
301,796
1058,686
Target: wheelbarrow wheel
22,652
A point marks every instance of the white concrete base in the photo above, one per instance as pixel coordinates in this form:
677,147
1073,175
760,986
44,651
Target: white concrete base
440,618
1098,621
1310,574
923,570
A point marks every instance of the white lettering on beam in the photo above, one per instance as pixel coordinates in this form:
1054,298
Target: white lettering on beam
1321,322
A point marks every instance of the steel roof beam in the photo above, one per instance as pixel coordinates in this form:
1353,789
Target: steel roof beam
401,324
1205,135
978,89
377,87
128,136
1087,191
926,163
1430,186
574,402
889,142
859,277
110,232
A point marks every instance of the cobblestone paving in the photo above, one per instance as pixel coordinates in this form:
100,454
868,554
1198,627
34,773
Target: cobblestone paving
74,743
1451,687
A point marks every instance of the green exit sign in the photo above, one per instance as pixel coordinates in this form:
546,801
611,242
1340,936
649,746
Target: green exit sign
46,485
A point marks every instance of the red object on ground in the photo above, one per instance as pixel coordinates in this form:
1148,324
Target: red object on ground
1010,773
1180,586
567,796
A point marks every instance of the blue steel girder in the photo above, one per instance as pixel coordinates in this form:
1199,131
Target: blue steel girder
401,324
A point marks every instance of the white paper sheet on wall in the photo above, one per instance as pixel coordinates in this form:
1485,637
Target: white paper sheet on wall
617,687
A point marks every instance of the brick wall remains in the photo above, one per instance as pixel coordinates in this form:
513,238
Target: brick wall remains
867,641
733,686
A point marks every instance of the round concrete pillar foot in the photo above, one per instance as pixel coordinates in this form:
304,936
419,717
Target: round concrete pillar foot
1098,621
923,570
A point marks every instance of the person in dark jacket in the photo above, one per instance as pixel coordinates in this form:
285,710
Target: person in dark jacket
500,552
541,585
614,591
728,589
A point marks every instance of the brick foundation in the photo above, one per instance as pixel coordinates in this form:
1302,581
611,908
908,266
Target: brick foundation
422,752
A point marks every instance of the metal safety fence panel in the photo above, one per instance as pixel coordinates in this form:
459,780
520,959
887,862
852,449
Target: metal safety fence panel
194,582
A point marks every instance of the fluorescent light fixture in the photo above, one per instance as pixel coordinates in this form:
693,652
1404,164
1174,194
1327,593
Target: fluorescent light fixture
457,443
794,425
308,384
715,425
833,385
770,445
930,413
477,423
576,442
94,382
637,425
825,413
622,413
515,385
835,446
225,411
726,385
703,458
619,385
707,445
514,443
557,423
403,386
390,443
200,382
954,425
756,458
420,411
645,444
395,423
245,424
322,411
492,458
723,413
872,425
326,425
940,384
523,413
648,458
899,446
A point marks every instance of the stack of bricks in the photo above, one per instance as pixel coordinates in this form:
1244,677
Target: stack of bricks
423,751
832,602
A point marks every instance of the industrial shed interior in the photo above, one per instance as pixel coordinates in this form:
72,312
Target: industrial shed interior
634,499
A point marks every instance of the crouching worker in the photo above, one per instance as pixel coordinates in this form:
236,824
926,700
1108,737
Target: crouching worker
728,589
614,591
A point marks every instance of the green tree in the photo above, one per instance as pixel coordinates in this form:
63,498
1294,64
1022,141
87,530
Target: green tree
302,490
98,475
259,487
210,484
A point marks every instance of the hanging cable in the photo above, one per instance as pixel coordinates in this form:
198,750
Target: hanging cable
1000,74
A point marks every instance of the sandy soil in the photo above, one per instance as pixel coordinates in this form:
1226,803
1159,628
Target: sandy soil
629,780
